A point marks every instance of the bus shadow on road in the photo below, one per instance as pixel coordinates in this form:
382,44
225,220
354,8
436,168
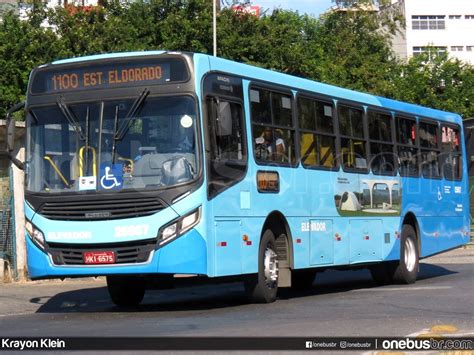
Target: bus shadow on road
336,281
217,296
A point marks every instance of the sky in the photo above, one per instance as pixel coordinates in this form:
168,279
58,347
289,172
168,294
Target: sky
311,7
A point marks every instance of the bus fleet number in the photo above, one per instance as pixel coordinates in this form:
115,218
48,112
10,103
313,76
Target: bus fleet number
139,230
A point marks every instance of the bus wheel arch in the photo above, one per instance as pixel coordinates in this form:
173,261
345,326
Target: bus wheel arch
278,224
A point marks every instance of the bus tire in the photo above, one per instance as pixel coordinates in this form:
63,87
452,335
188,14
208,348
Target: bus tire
263,286
302,280
407,268
126,291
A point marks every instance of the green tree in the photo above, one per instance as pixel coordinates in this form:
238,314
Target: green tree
433,79
23,45
357,49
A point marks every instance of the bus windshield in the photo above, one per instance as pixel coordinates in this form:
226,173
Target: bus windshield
126,144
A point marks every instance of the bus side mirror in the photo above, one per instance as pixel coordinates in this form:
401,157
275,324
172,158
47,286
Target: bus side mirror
10,138
10,135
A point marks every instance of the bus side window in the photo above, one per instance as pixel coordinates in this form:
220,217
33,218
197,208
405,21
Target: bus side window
227,151
351,128
382,158
429,140
272,126
406,143
451,159
317,138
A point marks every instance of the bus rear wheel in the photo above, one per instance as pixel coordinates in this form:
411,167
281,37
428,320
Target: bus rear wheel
126,291
263,286
403,271
407,268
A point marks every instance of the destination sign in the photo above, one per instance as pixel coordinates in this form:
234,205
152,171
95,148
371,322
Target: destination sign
109,75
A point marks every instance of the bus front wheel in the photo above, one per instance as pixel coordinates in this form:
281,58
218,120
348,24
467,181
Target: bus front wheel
126,291
263,286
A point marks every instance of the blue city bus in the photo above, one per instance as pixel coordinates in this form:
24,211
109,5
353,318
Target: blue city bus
145,166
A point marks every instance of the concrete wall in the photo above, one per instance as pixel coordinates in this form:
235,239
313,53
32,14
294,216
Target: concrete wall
19,202
18,196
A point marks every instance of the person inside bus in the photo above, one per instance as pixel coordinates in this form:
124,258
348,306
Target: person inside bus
269,146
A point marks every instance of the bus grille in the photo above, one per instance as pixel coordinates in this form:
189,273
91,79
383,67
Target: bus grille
101,209
129,253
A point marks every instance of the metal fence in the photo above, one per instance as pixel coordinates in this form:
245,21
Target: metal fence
7,242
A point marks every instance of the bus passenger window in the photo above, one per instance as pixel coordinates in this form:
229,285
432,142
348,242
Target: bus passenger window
382,157
272,126
429,165
317,139
351,122
408,159
281,105
353,153
273,144
451,161
406,131
260,106
406,145
351,126
429,149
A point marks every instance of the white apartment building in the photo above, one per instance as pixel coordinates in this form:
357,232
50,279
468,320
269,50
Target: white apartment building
447,25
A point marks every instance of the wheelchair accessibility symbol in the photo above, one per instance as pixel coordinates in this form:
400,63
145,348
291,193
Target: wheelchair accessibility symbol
111,176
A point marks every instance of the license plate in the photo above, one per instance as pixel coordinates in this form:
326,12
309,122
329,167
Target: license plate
99,257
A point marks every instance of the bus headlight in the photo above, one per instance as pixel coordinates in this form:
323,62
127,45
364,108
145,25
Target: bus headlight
35,234
179,227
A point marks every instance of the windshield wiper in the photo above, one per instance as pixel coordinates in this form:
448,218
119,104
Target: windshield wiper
119,133
129,118
70,117
114,140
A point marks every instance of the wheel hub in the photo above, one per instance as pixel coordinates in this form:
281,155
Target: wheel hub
410,254
271,267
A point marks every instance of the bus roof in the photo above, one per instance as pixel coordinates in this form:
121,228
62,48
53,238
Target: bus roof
252,72
107,56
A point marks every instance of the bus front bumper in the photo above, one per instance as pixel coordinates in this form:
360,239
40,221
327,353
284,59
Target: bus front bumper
185,255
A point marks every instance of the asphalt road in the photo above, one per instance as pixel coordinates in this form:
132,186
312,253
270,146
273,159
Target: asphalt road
342,303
